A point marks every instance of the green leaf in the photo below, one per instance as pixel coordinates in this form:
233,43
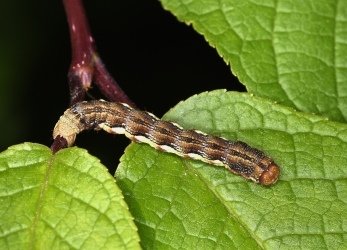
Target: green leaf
289,51
62,201
182,203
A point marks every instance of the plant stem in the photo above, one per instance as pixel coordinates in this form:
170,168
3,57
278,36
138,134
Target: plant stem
86,65
82,46
108,85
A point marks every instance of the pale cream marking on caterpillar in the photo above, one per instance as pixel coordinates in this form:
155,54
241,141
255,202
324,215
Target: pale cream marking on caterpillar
144,127
163,148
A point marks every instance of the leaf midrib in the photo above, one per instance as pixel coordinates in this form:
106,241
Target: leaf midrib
222,201
39,203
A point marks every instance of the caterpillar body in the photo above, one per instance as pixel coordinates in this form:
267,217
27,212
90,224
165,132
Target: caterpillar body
144,127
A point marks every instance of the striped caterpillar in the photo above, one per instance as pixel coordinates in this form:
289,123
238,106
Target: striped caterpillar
141,126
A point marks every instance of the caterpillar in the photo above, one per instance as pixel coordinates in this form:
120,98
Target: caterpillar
144,127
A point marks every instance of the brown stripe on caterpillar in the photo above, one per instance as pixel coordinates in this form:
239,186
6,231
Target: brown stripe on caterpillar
141,126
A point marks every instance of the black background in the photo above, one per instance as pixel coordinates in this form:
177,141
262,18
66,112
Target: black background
157,60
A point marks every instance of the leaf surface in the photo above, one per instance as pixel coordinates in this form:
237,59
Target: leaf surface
62,201
289,51
182,203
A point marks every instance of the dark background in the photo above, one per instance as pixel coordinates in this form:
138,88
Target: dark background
157,60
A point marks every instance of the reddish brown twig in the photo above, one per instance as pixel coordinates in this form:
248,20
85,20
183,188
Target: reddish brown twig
82,47
86,64
108,85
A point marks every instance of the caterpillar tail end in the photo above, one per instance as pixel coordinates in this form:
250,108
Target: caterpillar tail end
64,130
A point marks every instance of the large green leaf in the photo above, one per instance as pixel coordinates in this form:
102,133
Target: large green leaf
62,201
179,203
293,51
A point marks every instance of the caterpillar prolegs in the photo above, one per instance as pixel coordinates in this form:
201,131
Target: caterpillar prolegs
141,126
